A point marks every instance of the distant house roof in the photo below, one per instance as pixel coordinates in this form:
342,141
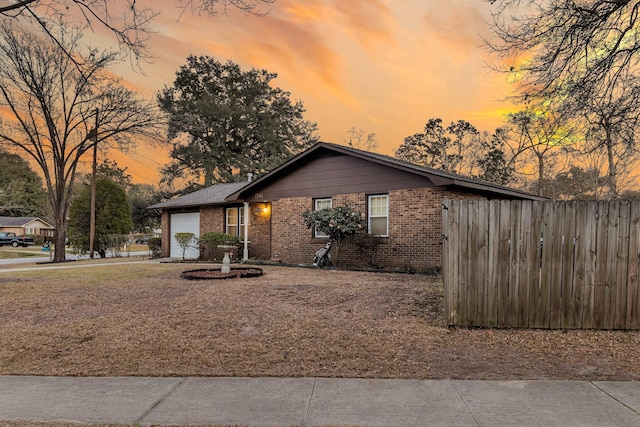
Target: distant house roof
438,177
211,195
10,221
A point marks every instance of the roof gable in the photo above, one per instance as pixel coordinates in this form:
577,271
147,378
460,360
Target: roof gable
432,177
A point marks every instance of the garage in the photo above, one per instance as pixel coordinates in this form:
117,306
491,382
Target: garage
184,223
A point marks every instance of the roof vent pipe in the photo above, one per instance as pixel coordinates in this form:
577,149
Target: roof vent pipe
249,177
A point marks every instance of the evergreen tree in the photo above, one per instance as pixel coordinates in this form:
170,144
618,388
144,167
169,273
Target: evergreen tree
113,216
21,189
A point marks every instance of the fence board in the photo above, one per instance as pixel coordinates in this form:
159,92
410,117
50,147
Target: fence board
493,265
451,268
612,254
601,263
590,236
568,246
446,254
579,265
535,261
633,318
556,291
542,264
472,262
463,259
503,254
622,260
546,265
524,260
514,262
481,266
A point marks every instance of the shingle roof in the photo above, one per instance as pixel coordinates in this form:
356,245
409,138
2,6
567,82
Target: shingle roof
11,221
215,194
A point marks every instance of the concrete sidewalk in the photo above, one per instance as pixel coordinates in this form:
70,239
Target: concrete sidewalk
319,401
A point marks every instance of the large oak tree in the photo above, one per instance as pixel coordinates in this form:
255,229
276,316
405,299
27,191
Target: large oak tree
226,122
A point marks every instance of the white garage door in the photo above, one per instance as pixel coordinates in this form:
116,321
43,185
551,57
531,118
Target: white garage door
184,223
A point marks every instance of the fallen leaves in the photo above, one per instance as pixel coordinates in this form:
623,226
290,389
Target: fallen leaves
146,320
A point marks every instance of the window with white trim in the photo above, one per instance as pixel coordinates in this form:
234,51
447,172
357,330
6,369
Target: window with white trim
234,222
326,203
379,215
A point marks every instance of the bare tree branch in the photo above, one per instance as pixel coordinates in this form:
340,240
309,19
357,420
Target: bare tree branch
128,21
52,100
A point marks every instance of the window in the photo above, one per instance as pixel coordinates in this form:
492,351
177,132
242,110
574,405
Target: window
379,215
318,204
234,222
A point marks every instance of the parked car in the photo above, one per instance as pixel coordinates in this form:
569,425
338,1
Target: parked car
142,240
14,240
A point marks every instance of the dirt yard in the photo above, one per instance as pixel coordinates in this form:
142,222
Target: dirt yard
142,319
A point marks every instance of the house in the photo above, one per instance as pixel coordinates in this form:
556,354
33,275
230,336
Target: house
402,202
32,226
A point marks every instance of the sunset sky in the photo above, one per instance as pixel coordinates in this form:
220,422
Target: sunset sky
382,66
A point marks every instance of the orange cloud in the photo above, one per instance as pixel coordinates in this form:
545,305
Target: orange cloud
380,65
309,12
369,21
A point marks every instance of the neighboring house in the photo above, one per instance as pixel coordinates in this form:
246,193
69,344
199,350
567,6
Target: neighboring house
402,202
32,226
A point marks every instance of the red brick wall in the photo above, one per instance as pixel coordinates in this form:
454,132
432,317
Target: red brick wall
290,238
415,230
211,219
259,234
164,236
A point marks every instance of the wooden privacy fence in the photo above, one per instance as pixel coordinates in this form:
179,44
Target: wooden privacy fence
533,264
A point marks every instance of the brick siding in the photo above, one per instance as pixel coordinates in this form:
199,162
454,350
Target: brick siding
415,230
260,234
414,242
165,224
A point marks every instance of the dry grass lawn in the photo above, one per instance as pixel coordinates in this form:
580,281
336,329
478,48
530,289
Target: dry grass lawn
143,319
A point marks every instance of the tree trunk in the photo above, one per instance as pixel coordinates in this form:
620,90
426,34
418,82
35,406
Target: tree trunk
60,203
60,248
540,173
612,178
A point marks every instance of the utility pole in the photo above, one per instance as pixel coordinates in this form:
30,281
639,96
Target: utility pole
92,225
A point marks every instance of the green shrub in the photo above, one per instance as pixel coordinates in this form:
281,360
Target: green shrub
339,223
155,246
185,241
209,242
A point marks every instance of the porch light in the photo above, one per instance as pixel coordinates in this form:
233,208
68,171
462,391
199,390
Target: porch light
262,209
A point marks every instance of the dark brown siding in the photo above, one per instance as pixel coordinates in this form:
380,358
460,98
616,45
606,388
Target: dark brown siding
333,173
